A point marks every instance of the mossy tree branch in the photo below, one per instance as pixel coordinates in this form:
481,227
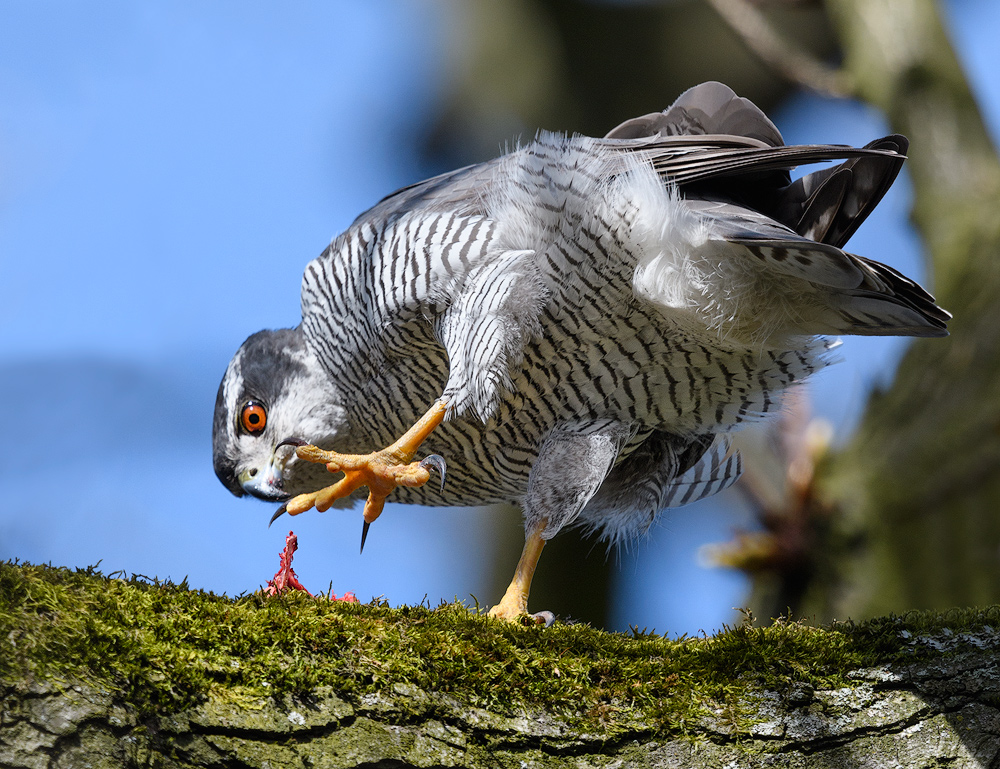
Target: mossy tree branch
114,673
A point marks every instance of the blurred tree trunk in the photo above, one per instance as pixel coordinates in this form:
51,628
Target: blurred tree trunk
914,498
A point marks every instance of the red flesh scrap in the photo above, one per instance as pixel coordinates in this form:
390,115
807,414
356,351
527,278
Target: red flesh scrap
285,578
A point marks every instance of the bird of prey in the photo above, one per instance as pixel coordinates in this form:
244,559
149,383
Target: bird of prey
576,326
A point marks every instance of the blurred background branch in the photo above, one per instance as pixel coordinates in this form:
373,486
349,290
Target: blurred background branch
785,59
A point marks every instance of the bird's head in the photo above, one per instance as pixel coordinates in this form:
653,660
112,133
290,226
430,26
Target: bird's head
275,395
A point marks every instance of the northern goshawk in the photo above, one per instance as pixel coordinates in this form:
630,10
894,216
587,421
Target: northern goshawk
575,327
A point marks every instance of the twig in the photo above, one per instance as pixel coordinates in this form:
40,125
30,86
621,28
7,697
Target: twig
794,65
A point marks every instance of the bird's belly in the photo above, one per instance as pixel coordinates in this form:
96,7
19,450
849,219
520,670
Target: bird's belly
641,369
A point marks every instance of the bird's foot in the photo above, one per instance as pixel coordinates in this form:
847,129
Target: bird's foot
381,471
512,606
515,609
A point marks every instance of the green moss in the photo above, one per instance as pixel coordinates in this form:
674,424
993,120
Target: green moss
165,647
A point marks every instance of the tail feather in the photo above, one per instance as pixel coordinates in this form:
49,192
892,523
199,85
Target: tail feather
829,205
887,303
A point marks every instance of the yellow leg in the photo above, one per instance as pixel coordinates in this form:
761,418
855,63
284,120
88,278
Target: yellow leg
515,601
381,471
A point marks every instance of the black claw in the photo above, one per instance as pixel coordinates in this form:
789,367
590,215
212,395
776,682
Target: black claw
435,462
364,536
291,442
277,514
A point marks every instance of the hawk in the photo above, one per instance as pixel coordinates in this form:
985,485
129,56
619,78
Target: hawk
575,327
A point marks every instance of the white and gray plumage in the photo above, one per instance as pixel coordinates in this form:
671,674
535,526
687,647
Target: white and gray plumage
590,317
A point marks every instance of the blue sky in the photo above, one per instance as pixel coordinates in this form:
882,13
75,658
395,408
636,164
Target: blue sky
167,171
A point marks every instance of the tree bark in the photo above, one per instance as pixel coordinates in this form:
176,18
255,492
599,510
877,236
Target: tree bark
942,712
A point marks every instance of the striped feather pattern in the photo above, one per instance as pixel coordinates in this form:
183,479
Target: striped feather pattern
525,317
597,313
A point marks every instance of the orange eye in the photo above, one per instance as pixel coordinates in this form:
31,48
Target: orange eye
254,417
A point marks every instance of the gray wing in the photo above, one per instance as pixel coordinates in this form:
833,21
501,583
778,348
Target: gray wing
711,143
459,192
709,108
829,205
717,134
